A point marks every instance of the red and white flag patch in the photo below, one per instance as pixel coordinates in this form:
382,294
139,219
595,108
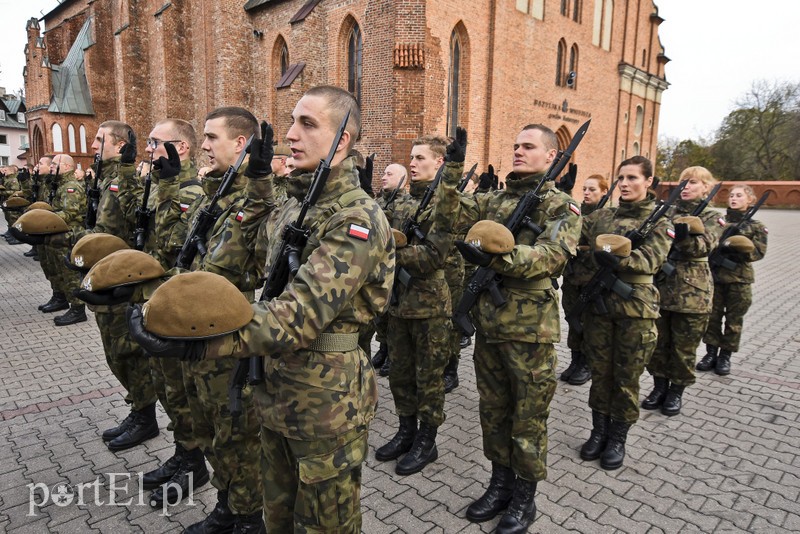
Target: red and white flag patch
721,221
766,230
70,190
671,233
240,216
114,188
574,208
184,207
359,232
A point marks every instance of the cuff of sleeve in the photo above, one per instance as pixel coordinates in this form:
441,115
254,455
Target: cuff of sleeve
221,347
453,172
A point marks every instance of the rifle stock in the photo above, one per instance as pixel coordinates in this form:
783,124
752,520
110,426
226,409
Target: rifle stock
607,196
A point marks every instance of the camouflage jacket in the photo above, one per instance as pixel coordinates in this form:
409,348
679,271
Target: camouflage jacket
344,281
427,295
531,313
690,289
580,268
756,232
25,180
120,195
645,260
454,265
70,200
11,185
230,253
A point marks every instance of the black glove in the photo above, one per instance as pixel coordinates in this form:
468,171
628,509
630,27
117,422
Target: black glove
567,182
261,152
681,231
29,239
473,254
128,150
365,175
24,174
170,166
160,347
457,149
108,297
606,259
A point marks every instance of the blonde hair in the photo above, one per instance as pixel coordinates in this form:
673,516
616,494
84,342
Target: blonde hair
700,173
748,191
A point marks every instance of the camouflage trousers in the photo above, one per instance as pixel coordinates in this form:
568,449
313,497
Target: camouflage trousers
419,352
731,302
569,298
381,323
365,334
454,333
516,382
617,350
231,444
66,280
125,358
167,375
679,334
49,269
313,486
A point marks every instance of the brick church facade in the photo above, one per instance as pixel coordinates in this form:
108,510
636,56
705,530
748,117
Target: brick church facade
417,67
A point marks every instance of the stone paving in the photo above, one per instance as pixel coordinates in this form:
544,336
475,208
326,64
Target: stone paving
728,463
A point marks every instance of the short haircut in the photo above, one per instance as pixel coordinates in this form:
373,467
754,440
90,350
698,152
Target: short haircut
602,182
645,164
340,102
701,173
548,136
118,129
436,143
748,191
238,121
183,131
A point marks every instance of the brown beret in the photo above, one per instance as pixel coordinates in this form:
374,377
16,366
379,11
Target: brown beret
41,222
491,237
92,248
400,239
282,150
196,305
17,202
739,243
695,224
39,205
122,268
618,245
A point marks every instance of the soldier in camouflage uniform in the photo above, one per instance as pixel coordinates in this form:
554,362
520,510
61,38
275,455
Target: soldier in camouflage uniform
120,194
320,391
686,295
418,320
515,357
620,342
733,292
175,187
10,187
280,172
576,275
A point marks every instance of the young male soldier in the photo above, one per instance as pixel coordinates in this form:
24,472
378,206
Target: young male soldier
281,171
40,170
418,320
514,355
10,185
120,194
173,144
320,391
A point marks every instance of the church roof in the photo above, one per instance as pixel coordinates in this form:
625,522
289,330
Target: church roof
70,86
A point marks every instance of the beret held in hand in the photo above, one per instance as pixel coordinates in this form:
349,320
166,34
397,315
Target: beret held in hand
400,239
41,222
618,245
739,243
39,205
92,248
122,268
17,203
695,224
491,237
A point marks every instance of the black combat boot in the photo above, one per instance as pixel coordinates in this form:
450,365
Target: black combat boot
386,367
422,452
143,427
709,361
57,296
596,443
723,364
573,364
401,442
112,433
496,497
190,475
153,479
31,253
581,374
75,315
380,357
451,375
249,524
656,397
219,521
13,241
57,303
466,341
673,400
521,511
614,454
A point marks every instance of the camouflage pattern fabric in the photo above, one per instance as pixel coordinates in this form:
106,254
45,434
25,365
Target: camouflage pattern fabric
731,302
11,184
454,275
756,232
70,204
49,267
120,195
679,334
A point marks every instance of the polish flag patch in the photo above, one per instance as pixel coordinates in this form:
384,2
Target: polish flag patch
574,208
70,190
766,231
184,207
359,232
671,233
240,216
114,188
721,221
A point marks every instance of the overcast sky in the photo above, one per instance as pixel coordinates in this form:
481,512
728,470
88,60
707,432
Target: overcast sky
717,47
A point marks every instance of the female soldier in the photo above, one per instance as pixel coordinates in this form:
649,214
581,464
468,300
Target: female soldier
576,275
620,341
732,283
686,294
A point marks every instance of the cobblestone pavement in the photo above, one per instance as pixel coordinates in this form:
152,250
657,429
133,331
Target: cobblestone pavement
728,463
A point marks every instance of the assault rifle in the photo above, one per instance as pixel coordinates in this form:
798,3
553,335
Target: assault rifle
717,257
286,264
463,183
93,193
208,215
669,266
51,195
486,278
143,213
393,194
605,280
607,196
